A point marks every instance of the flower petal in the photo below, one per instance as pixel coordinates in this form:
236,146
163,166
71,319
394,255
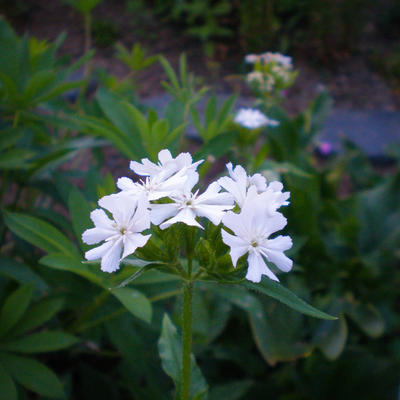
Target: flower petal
110,260
213,212
100,219
98,252
257,268
238,246
96,235
186,215
160,212
132,242
141,219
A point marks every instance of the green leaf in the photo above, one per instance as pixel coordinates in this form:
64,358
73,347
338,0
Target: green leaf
367,317
331,337
284,295
41,342
217,147
232,391
15,158
79,211
21,273
7,387
66,263
135,302
273,325
39,233
33,375
38,314
169,347
14,308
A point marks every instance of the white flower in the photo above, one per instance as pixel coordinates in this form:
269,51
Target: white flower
252,58
186,206
153,187
253,119
238,183
167,165
121,234
252,229
276,57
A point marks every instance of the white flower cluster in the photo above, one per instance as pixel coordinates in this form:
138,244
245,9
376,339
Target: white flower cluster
269,57
252,119
133,210
272,71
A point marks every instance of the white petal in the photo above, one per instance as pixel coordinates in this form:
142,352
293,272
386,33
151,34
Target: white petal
238,246
213,212
96,235
237,224
280,243
132,242
213,196
237,189
98,252
165,156
147,168
121,205
110,260
125,183
160,212
257,267
273,251
100,219
259,182
186,215
141,219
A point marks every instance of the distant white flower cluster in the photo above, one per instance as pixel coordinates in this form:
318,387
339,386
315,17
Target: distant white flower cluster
269,57
271,71
253,119
134,209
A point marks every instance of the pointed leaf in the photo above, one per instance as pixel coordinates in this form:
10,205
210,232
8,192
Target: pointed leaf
41,342
39,233
135,302
14,308
169,348
7,387
38,314
331,337
33,375
284,295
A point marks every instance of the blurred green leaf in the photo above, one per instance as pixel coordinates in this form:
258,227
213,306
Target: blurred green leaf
331,337
7,387
38,314
135,302
21,273
33,375
39,233
232,391
41,342
14,308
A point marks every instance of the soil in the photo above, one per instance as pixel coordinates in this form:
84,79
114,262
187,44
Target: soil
352,83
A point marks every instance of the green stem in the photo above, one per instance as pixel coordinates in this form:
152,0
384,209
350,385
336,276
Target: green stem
186,339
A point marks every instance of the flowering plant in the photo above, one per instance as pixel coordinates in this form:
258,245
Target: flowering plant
272,74
233,217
